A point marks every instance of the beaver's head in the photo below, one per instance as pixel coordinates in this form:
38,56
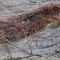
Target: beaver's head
52,11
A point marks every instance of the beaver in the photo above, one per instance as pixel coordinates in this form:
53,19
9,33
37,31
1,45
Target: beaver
16,27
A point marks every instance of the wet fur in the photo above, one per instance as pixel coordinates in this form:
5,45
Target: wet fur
17,27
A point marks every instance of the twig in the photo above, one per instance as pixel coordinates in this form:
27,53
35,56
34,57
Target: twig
27,40
5,9
14,45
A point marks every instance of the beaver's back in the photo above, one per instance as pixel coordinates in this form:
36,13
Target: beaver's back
17,27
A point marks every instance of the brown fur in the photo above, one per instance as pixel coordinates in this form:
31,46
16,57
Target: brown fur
17,27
